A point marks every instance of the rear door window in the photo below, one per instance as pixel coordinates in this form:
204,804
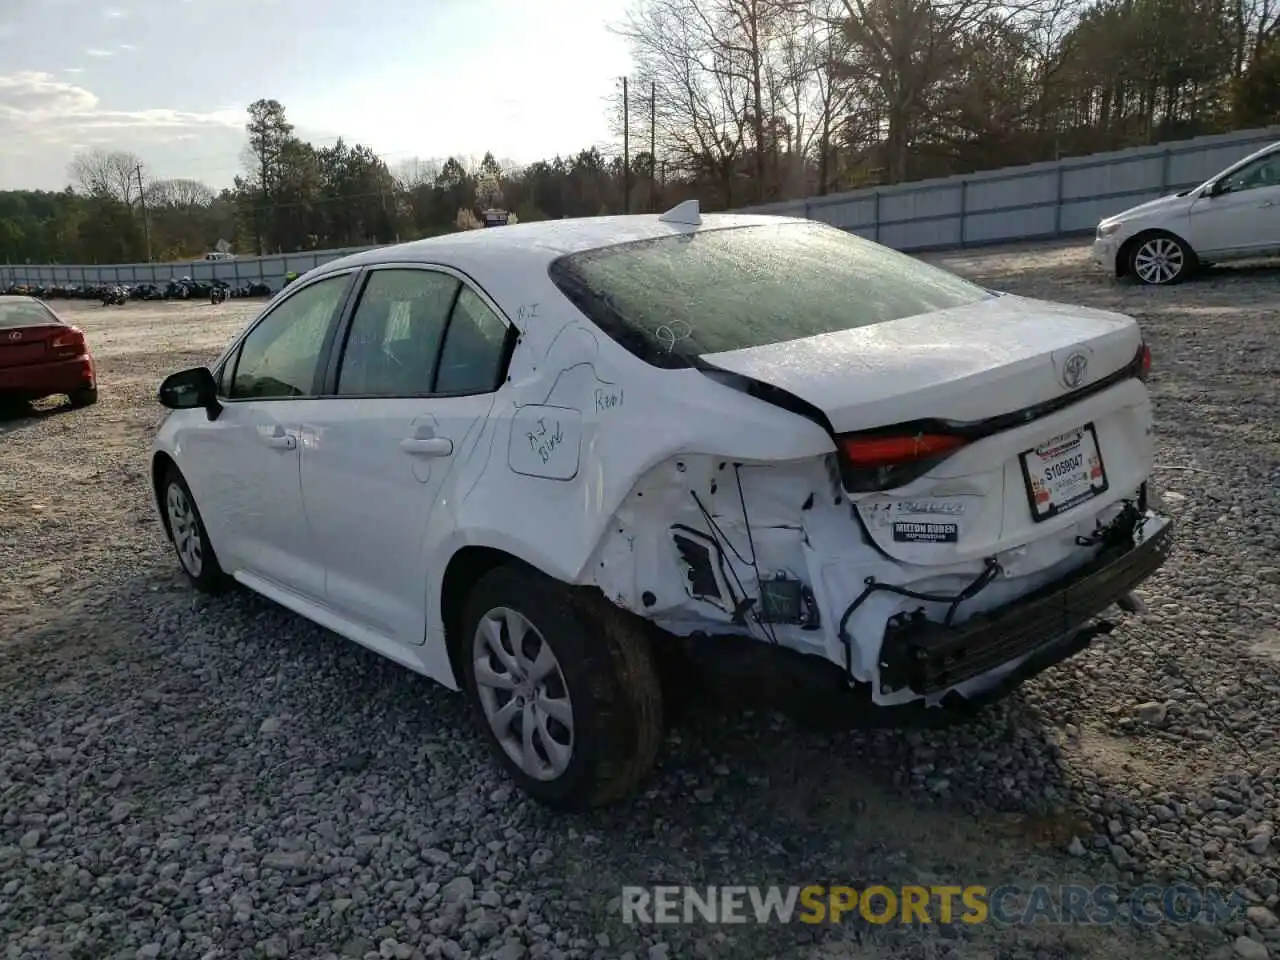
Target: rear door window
675,298
396,334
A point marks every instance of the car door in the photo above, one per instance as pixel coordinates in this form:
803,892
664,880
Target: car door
411,386
244,466
1242,215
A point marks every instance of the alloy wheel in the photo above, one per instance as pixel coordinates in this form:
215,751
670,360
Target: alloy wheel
1159,260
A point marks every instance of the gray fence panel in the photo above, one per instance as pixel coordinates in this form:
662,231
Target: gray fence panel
1049,199
1056,198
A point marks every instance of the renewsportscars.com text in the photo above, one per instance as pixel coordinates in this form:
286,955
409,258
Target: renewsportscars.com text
1003,905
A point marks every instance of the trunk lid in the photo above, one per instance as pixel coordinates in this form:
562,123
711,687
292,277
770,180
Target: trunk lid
20,346
970,364
965,364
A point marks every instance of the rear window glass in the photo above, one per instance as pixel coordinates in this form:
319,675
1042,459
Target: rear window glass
22,313
672,299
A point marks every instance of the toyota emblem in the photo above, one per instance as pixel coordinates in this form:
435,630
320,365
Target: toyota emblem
16,335
1074,369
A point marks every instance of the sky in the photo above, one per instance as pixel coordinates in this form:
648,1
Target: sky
170,80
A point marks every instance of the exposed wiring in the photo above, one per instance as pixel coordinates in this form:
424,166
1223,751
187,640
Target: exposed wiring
953,601
723,541
746,522
707,516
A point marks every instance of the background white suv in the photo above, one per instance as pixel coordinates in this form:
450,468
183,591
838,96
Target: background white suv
1234,215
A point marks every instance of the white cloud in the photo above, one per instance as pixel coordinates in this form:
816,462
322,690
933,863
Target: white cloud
127,47
99,52
48,116
73,69
115,13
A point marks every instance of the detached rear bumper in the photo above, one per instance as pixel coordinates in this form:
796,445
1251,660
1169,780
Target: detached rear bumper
928,657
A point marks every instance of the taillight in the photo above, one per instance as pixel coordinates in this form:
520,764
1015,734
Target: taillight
69,344
883,461
1144,362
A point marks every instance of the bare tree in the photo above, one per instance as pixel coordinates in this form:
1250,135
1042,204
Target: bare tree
179,193
112,175
415,172
701,104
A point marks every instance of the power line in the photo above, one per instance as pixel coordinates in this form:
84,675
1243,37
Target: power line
626,150
142,200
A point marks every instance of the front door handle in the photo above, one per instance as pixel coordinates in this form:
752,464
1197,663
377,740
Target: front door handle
427,446
280,440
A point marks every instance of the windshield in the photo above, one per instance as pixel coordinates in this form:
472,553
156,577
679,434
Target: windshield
1273,148
673,299
22,313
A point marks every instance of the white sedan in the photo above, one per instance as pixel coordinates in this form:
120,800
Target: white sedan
532,462
1234,215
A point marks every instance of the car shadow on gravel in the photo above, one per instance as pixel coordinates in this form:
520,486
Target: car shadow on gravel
19,416
199,718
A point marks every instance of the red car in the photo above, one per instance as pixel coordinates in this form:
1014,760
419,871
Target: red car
40,355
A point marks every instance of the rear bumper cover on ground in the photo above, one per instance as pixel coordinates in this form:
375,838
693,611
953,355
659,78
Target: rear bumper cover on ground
928,657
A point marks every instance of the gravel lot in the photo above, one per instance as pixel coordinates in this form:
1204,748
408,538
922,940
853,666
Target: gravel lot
183,778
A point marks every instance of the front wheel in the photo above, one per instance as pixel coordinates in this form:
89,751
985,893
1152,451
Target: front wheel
188,535
1161,259
564,686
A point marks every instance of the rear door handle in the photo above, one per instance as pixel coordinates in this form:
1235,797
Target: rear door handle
427,446
281,441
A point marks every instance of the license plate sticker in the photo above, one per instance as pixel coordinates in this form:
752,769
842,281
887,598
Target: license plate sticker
1064,472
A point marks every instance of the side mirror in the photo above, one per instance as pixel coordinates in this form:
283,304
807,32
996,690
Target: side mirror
1216,189
189,389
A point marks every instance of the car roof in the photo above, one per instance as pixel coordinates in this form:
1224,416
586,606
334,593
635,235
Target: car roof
535,245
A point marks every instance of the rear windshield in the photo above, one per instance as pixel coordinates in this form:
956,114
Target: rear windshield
672,299
22,313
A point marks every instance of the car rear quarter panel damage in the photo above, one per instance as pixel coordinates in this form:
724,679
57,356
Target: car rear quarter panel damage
710,511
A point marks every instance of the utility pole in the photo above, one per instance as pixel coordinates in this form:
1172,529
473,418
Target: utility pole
626,149
142,199
653,148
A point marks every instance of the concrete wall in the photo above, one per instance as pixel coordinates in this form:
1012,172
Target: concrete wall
1041,200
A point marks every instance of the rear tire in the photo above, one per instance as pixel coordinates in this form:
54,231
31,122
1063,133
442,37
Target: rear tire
1161,259
564,686
188,535
83,398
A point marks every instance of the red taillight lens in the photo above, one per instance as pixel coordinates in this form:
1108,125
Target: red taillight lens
69,344
868,453
1144,362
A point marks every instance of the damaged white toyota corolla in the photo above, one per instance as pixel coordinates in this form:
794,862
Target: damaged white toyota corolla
531,461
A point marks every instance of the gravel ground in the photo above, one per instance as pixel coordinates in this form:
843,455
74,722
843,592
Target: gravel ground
184,778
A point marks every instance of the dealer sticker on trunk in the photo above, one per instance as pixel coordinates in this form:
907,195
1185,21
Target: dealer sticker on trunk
1064,472
916,531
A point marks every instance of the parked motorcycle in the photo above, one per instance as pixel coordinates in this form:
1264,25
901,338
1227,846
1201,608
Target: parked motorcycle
114,297
217,295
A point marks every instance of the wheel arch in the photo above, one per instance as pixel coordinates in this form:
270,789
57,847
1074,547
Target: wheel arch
467,565
161,464
1124,255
